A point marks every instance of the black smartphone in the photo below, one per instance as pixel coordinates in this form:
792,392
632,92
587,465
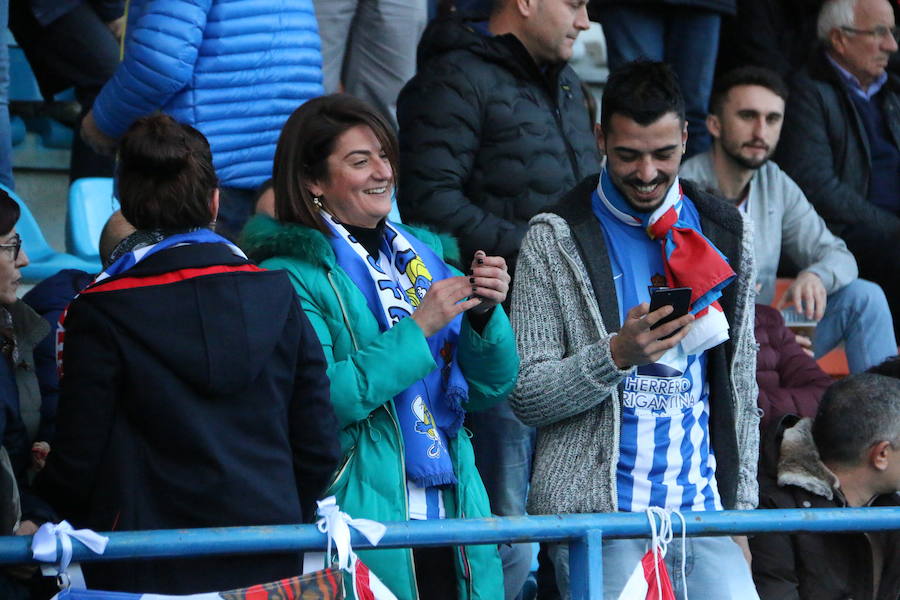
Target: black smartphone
678,298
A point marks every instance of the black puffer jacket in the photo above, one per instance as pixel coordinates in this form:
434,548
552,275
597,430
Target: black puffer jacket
487,140
824,147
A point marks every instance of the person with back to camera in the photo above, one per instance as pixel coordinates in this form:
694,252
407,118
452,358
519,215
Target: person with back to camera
193,389
400,386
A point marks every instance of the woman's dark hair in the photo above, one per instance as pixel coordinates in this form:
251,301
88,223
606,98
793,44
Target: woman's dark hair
165,176
9,212
306,142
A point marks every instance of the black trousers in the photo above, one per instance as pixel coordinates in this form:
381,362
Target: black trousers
76,50
435,573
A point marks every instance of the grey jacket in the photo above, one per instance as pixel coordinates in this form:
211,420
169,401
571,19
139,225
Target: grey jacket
564,312
783,221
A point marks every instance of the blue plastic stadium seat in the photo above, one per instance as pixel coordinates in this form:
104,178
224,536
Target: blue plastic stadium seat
23,87
91,202
17,129
45,261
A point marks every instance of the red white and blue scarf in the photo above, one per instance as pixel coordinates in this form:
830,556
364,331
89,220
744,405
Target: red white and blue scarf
689,260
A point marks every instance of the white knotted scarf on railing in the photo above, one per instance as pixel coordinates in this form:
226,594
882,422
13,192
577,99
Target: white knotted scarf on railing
44,545
337,525
659,541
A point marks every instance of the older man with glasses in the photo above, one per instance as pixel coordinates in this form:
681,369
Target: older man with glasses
841,136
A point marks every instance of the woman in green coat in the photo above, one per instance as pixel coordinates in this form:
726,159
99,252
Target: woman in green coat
400,386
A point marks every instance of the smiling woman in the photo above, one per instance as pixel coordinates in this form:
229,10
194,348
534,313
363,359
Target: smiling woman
411,344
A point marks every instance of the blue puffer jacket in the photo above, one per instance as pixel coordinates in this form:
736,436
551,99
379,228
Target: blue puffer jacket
234,69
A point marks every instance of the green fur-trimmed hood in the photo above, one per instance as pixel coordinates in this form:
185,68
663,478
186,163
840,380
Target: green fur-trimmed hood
264,237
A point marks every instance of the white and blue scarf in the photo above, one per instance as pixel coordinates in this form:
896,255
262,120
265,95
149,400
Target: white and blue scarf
128,253
394,283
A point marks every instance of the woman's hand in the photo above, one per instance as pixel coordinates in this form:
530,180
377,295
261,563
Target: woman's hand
489,281
444,300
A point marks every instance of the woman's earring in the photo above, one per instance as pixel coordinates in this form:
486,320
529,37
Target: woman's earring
317,200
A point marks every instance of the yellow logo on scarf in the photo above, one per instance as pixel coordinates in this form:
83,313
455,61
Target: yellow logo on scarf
420,278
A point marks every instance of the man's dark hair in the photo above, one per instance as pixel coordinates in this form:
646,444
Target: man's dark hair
643,91
165,176
749,75
889,368
855,413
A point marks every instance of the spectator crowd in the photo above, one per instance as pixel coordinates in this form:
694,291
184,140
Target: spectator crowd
418,267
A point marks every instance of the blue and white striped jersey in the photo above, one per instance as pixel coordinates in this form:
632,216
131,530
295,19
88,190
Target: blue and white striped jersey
425,502
665,454
665,457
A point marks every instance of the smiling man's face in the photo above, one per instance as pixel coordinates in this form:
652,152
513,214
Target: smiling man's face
643,161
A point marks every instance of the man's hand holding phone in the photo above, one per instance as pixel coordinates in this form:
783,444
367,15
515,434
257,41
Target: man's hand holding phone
640,343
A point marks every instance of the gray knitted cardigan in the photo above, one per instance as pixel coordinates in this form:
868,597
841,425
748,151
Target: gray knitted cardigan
568,384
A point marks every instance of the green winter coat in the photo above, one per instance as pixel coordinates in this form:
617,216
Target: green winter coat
367,368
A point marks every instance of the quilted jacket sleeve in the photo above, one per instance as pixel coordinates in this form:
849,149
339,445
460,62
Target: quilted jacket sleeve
440,116
790,382
489,360
160,53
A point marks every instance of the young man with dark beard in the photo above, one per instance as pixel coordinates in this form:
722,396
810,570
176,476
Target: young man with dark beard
745,123
630,416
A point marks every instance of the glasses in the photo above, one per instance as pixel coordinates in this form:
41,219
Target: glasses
13,246
879,31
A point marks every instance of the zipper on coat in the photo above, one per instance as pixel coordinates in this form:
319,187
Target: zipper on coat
461,512
557,116
412,560
346,318
344,313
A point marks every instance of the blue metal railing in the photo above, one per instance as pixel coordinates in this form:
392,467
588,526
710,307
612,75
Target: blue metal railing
584,533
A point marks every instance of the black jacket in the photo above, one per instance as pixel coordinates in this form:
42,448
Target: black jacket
722,6
197,403
824,147
814,566
777,34
488,140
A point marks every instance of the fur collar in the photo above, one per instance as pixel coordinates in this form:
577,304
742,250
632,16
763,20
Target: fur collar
264,237
799,463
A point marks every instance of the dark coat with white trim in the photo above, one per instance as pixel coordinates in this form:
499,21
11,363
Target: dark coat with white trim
191,401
